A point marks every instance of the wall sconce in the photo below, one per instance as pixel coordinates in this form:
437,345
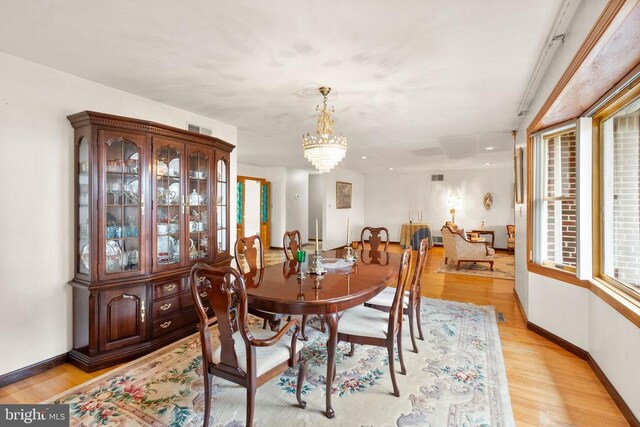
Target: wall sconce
454,201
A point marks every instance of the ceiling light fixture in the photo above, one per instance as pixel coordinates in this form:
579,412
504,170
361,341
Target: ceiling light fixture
390,169
488,148
364,157
326,150
487,163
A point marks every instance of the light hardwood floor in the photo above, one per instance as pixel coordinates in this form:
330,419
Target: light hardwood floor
548,385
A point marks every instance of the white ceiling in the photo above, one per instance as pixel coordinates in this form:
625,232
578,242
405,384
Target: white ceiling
420,84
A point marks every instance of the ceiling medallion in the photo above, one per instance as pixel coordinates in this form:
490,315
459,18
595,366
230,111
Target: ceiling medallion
326,150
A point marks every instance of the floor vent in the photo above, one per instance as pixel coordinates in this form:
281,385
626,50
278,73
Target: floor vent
500,318
198,129
437,240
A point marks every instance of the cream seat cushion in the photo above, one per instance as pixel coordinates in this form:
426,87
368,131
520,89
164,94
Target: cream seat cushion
364,321
385,298
266,357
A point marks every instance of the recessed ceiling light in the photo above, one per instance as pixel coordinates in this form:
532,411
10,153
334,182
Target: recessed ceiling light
390,169
487,163
364,157
488,148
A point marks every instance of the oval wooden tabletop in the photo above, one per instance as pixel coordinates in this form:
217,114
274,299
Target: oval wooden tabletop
277,289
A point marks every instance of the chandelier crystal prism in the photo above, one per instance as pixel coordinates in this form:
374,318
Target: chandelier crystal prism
325,150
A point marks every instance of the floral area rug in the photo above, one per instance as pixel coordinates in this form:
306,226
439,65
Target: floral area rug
504,267
457,379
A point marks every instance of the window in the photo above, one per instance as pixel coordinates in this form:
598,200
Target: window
555,200
620,196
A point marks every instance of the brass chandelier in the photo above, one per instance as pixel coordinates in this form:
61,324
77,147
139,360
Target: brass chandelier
326,150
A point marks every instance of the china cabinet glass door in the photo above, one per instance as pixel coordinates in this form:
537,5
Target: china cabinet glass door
198,201
169,202
222,207
122,222
83,215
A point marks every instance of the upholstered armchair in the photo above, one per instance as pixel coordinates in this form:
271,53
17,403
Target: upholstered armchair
458,248
511,238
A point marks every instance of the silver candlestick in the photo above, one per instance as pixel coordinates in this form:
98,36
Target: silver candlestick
348,253
316,265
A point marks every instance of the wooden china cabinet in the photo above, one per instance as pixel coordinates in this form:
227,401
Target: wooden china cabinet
151,200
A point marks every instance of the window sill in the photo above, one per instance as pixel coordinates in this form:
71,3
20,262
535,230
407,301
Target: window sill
624,304
558,274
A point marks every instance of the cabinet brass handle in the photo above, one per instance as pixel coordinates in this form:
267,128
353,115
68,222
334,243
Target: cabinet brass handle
165,325
142,312
206,309
165,307
203,294
170,287
200,279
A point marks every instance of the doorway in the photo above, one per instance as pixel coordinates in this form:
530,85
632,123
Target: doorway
253,204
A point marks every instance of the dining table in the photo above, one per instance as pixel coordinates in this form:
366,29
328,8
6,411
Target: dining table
280,288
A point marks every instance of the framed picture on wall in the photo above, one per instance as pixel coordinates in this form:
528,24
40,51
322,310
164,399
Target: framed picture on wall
343,195
519,173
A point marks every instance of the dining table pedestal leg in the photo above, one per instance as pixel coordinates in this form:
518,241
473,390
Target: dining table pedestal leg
332,320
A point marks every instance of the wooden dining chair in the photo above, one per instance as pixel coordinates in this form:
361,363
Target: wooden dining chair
374,257
412,298
249,254
244,355
364,325
291,243
375,238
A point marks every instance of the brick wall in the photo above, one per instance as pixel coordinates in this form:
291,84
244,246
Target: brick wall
626,199
562,212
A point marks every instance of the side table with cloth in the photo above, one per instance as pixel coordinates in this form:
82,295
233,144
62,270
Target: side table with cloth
412,233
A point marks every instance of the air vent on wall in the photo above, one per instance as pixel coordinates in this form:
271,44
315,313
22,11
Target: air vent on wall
437,240
198,129
437,177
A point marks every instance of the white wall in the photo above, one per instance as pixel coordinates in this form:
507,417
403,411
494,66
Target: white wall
390,195
297,209
287,211
614,343
334,221
316,194
571,312
36,261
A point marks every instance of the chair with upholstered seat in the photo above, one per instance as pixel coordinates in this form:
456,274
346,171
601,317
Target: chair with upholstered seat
245,356
249,254
375,238
411,299
368,326
511,238
459,249
291,243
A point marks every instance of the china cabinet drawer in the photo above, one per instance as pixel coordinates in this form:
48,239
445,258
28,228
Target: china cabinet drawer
173,287
170,305
176,321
